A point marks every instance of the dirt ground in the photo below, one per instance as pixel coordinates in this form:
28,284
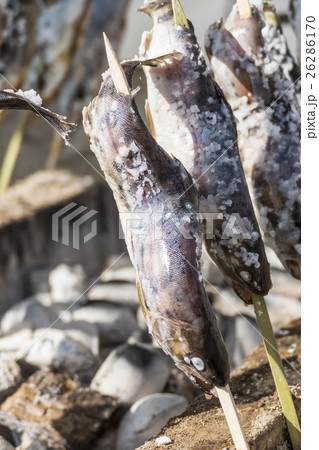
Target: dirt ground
203,426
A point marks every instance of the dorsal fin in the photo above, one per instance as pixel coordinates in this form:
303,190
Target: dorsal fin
117,72
160,59
179,15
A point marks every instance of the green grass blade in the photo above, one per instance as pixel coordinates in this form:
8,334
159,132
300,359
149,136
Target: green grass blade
12,152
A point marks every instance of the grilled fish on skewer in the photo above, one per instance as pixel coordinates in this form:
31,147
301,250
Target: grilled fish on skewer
148,183
256,74
190,118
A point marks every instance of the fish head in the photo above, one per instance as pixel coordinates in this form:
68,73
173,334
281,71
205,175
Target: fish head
155,8
245,280
246,31
203,359
197,349
166,12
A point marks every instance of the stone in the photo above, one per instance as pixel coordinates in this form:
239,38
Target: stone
282,310
55,402
241,335
5,445
66,283
16,341
30,314
120,293
85,333
147,417
35,445
203,424
10,375
114,323
21,433
285,285
132,371
52,348
124,274
227,303
210,271
107,441
163,440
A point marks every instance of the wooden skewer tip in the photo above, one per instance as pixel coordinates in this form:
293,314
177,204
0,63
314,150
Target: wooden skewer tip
117,72
244,8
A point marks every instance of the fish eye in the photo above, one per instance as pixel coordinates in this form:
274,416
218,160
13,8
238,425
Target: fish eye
246,276
198,363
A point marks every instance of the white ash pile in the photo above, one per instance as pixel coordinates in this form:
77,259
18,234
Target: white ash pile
77,356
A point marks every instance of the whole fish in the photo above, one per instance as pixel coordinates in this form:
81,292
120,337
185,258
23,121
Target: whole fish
161,230
251,61
191,119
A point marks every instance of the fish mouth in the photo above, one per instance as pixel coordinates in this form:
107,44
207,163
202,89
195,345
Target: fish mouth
245,292
242,292
207,385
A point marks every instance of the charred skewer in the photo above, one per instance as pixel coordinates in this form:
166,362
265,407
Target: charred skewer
148,184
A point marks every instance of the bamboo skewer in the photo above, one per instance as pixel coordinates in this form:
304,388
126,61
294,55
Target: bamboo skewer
117,72
277,370
227,401
244,8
